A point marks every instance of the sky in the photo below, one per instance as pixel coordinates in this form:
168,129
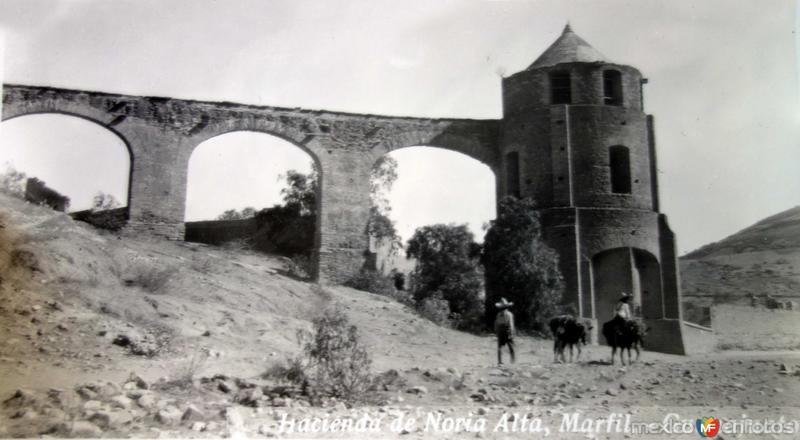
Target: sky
723,87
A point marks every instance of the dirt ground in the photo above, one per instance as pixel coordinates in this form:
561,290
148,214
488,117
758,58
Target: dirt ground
109,336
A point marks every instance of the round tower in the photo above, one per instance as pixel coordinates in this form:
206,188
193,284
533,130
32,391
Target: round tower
576,139
573,107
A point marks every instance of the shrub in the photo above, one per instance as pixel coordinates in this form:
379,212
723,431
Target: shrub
149,276
399,279
237,245
25,259
373,281
337,361
436,309
302,266
154,341
292,370
184,374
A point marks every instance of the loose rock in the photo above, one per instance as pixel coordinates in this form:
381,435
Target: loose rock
83,429
169,416
417,390
192,414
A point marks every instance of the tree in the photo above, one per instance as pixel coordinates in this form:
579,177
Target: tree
232,214
381,179
520,267
301,191
104,201
13,181
447,268
379,225
288,229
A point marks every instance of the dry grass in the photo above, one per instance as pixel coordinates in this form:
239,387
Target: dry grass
16,263
185,373
149,276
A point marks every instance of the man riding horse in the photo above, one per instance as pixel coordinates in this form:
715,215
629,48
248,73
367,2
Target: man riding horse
622,331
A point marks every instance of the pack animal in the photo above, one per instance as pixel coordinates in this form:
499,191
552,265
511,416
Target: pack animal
624,334
568,331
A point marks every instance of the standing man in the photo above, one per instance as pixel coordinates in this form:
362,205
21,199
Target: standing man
504,329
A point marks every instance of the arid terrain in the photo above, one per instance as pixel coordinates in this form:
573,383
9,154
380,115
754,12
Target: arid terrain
114,336
761,260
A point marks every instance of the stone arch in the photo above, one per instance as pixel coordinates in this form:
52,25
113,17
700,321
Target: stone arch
454,152
17,114
288,134
210,135
471,146
631,270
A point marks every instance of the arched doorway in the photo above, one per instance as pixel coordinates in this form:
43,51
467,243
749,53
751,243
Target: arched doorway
629,270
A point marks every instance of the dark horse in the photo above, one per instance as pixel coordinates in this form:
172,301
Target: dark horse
623,334
568,331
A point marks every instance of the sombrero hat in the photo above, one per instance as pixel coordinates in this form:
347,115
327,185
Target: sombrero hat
503,304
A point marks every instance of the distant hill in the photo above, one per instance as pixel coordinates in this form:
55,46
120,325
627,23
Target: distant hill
780,231
759,260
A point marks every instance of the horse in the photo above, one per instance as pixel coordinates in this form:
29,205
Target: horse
624,334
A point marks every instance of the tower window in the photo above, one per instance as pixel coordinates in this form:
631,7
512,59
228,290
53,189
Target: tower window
620,169
612,87
560,88
512,174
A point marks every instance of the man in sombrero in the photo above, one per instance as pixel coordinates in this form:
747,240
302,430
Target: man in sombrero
504,329
623,308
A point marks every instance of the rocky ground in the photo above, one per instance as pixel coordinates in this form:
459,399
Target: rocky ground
109,336
729,386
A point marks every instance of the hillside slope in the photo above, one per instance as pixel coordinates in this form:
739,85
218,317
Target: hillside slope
72,290
68,292
763,259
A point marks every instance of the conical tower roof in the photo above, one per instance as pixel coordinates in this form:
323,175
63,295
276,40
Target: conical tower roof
568,48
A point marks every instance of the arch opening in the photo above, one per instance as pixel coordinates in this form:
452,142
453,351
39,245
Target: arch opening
433,185
254,190
634,271
72,155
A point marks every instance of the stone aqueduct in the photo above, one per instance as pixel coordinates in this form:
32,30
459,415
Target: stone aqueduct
162,133
574,136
